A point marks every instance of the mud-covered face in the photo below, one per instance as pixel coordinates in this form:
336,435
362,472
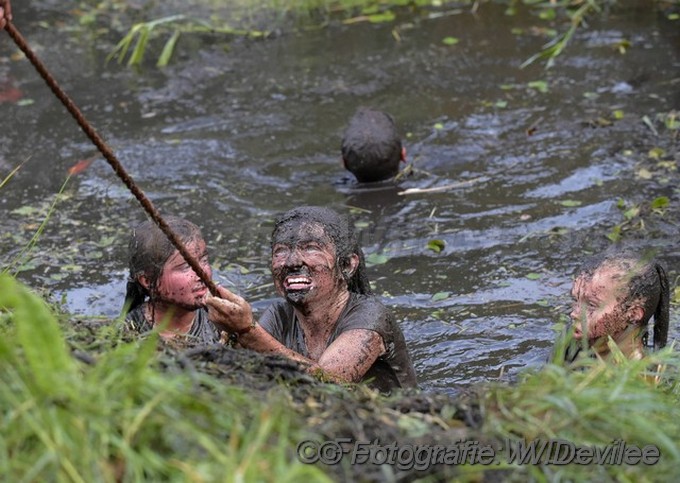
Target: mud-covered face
304,264
598,301
178,284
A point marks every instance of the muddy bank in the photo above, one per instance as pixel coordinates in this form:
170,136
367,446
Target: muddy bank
352,413
328,412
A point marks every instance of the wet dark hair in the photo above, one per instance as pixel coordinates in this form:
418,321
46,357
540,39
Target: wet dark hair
646,284
340,232
371,147
149,248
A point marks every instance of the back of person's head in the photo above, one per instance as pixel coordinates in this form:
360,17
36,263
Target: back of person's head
339,231
149,249
644,281
371,146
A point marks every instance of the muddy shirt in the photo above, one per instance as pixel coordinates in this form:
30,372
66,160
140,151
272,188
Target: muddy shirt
392,369
202,330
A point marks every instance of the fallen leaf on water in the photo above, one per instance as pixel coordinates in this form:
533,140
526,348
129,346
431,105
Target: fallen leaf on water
81,165
644,174
660,202
11,94
376,259
436,245
656,153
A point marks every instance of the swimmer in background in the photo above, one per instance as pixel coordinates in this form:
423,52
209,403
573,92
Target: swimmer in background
371,146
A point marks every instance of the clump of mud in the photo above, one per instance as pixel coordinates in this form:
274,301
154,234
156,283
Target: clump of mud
330,412
352,412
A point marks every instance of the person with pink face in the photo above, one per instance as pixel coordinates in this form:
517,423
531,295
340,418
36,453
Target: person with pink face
163,291
616,295
5,13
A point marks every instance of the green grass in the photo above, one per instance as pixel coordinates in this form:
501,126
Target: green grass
123,417
123,413
594,403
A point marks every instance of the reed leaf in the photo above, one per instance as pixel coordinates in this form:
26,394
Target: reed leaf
46,355
168,49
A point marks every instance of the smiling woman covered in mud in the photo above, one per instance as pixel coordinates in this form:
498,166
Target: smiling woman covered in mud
328,320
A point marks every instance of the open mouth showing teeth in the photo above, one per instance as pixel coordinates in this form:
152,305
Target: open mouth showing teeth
297,283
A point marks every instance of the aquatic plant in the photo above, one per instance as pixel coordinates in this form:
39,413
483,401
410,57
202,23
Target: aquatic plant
271,12
318,13
140,34
578,12
16,264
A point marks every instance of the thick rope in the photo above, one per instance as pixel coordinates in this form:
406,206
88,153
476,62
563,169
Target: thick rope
109,156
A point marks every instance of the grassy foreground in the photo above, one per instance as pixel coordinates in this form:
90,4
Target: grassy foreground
122,417
116,410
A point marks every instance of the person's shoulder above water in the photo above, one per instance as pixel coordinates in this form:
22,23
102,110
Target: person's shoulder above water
202,331
394,367
368,312
371,146
136,321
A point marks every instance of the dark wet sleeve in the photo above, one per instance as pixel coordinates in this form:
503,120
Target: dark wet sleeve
369,313
271,321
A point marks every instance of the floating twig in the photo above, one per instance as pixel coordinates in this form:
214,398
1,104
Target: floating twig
436,189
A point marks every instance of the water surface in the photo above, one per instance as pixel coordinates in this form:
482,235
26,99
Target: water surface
229,138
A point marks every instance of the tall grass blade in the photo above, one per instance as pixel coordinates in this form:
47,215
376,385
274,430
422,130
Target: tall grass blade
13,172
39,335
19,259
168,49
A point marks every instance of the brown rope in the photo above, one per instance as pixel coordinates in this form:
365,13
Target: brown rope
109,156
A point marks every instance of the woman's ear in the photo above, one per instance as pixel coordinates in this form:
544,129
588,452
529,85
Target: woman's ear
636,314
351,265
144,282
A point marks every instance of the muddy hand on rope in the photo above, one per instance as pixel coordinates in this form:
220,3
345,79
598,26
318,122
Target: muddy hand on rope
108,154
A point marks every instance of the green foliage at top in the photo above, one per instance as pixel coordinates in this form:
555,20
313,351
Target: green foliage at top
133,45
140,34
578,11
246,18
122,418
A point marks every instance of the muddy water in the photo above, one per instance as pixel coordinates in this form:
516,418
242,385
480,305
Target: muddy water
229,138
